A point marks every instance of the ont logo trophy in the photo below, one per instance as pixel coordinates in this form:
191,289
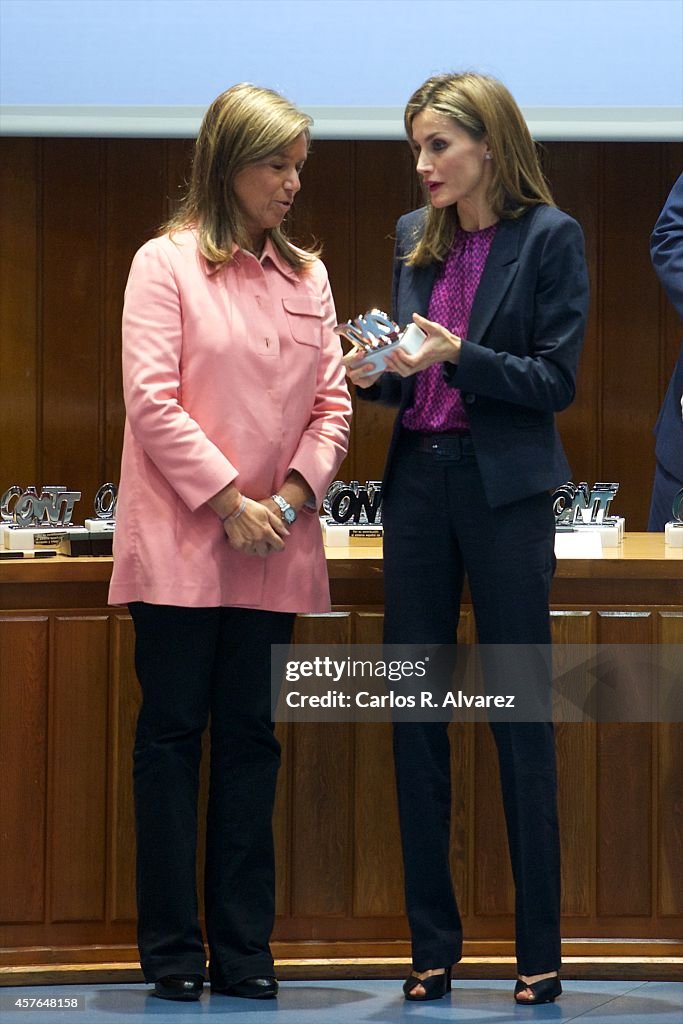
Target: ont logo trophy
579,508
33,524
353,513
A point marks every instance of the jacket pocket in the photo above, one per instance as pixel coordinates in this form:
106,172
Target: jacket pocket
305,318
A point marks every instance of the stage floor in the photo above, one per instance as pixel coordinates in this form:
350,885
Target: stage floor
348,1002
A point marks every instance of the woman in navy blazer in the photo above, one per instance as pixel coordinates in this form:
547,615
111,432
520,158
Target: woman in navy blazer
496,276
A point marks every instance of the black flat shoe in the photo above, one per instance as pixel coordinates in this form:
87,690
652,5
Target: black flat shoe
545,991
435,986
183,987
250,988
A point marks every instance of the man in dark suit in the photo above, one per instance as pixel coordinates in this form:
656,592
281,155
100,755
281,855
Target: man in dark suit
666,250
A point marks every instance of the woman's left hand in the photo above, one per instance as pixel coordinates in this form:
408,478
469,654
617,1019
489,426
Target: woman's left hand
440,346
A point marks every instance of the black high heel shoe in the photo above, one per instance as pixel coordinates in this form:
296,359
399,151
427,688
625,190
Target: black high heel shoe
545,991
435,986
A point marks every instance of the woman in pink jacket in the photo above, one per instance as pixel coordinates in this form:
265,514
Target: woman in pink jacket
237,420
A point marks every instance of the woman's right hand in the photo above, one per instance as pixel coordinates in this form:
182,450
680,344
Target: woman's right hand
256,531
356,372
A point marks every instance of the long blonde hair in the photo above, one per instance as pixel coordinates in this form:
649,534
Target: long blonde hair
243,125
482,107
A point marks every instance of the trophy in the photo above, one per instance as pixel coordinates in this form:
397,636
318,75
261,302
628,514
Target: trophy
376,335
579,508
101,527
34,525
673,531
32,522
353,514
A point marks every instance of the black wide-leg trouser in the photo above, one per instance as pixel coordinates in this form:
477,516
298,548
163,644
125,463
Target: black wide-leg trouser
438,527
194,664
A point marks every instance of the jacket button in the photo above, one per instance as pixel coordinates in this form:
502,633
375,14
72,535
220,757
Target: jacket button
470,399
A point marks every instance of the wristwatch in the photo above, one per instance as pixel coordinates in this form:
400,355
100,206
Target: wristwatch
286,511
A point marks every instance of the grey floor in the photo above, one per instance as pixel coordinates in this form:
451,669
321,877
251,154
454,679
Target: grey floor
345,1002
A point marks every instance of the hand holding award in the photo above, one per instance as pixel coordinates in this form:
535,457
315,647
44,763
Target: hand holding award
375,335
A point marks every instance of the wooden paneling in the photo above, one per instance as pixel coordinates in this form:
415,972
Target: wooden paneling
23,759
20,304
73,212
73,260
377,869
321,766
125,702
68,701
77,768
575,175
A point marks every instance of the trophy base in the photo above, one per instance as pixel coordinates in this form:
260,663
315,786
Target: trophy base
340,535
18,538
100,525
63,540
610,534
673,535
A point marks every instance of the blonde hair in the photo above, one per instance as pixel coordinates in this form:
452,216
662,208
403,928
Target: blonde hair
482,107
243,125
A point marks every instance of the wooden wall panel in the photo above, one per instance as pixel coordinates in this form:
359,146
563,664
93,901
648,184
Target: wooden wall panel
75,210
669,793
378,867
670,824
20,302
338,853
575,175
125,702
624,788
73,269
78,768
627,306
576,806
321,766
23,757
624,751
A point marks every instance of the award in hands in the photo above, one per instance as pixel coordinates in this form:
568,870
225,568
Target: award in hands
376,335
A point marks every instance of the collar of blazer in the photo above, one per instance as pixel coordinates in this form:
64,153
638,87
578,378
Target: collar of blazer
501,267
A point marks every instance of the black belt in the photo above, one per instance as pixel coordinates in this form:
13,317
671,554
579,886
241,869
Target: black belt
446,442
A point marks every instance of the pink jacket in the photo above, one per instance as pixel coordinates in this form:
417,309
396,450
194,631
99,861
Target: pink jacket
229,373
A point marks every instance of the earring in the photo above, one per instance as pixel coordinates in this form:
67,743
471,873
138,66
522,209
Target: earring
487,156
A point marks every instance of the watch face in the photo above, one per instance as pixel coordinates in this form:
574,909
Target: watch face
289,515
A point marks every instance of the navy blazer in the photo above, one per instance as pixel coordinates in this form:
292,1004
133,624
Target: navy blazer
666,250
519,361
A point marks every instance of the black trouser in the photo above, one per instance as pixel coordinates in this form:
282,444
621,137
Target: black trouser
437,527
193,663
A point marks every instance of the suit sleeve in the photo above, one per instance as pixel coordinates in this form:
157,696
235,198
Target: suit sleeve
538,367
666,247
